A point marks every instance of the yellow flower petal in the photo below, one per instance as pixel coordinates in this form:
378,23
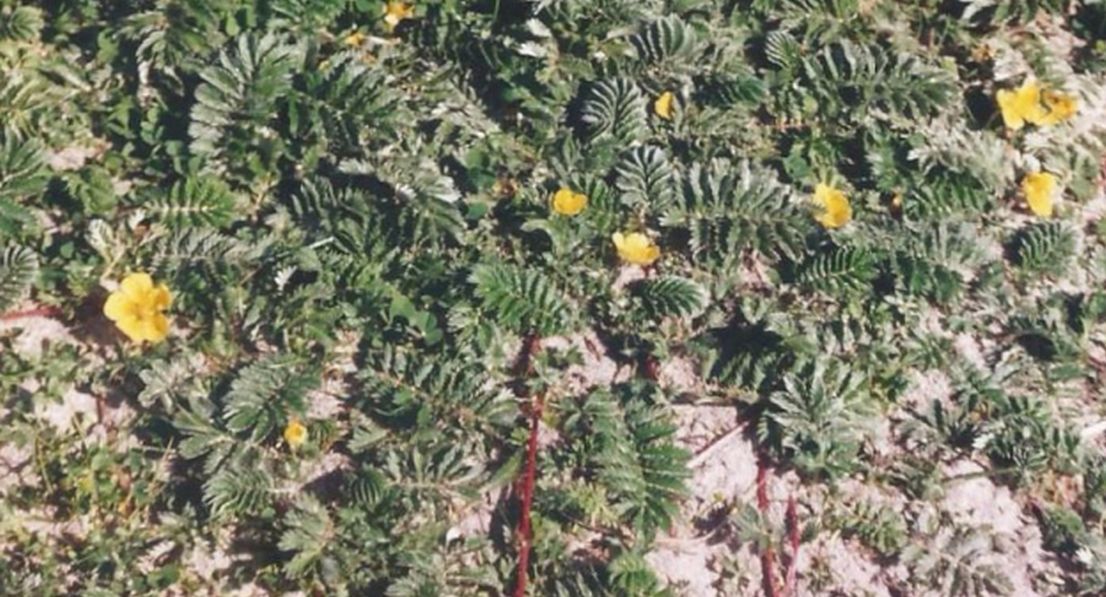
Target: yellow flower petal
396,12
132,328
354,39
117,306
569,203
1011,117
155,328
135,286
1039,189
835,208
162,300
635,248
1061,107
664,104
295,433
1021,105
137,306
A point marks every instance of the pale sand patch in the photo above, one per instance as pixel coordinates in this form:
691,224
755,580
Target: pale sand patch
979,502
35,332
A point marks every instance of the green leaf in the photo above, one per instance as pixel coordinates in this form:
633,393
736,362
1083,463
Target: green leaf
670,296
18,268
644,179
615,110
194,202
266,393
524,300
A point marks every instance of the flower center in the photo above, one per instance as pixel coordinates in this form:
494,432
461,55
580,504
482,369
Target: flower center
143,310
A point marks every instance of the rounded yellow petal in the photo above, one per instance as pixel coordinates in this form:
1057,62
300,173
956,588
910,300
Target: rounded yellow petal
137,308
1011,116
1022,105
664,105
835,208
354,39
162,299
635,248
133,328
156,328
136,285
295,433
396,12
569,203
1039,189
1061,107
1028,101
118,306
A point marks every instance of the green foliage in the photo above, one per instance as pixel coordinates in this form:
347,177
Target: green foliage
194,202
819,420
1019,11
522,300
840,271
644,179
22,176
309,529
933,257
265,394
1062,531
614,111
624,441
18,268
232,492
960,561
670,296
353,104
726,209
354,221
850,80
238,100
879,527
21,23
667,41
417,394
1045,248
1023,439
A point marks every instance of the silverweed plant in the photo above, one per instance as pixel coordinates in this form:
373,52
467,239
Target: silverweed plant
354,297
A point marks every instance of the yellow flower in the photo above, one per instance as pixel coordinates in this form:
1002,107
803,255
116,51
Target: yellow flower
1039,189
395,12
354,39
835,208
1061,107
569,203
137,308
896,201
1021,105
665,105
295,433
636,248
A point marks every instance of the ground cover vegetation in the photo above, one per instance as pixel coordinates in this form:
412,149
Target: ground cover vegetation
336,276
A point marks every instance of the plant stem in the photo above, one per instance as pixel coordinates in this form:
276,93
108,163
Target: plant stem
650,368
525,531
35,312
792,519
768,553
530,347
